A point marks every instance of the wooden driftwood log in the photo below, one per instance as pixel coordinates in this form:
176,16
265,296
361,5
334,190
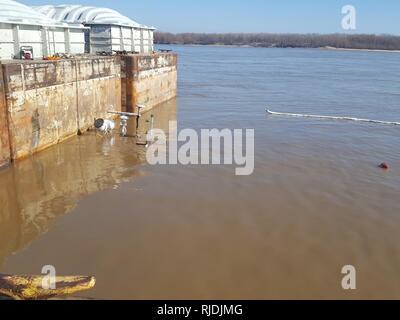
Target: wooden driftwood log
31,288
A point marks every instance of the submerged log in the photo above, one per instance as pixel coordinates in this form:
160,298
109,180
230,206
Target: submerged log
31,288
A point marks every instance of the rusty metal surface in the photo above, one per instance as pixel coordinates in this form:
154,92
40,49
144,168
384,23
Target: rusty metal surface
51,101
40,74
4,135
148,79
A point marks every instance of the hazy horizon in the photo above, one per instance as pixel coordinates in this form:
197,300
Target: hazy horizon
255,16
284,33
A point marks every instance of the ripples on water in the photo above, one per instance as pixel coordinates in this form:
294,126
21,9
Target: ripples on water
315,203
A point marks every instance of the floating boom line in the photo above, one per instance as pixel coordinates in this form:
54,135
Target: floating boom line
330,118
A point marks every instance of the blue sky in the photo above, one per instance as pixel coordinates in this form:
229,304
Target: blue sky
302,16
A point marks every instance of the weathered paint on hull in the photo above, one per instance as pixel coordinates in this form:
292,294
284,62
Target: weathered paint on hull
148,80
49,102
46,102
5,155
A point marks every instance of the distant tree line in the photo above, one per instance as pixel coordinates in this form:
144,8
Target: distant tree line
267,40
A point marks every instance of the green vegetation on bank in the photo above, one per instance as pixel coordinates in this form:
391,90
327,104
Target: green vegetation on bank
267,40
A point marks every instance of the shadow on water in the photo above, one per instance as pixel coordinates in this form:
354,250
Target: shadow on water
35,192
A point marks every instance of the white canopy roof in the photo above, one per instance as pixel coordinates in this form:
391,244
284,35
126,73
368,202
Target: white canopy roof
13,12
87,15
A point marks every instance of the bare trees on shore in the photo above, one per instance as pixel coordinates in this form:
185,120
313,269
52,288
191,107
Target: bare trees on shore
354,41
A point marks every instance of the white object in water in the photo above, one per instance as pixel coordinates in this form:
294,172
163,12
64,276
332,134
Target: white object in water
124,125
330,117
105,126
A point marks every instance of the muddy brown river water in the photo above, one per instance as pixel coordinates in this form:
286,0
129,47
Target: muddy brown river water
315,203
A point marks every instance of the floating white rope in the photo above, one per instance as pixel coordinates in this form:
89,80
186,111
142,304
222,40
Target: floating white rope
330,118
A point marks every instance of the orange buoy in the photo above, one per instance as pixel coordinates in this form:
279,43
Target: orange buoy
384,166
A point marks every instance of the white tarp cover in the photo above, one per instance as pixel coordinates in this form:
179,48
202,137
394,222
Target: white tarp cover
87,15
12,12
